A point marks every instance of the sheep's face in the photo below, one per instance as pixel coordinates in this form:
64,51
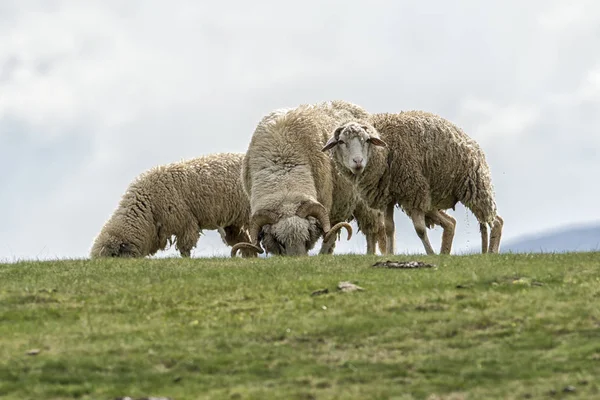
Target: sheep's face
114,246
351,146
292,236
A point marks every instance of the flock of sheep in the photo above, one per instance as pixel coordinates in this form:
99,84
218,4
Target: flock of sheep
307,172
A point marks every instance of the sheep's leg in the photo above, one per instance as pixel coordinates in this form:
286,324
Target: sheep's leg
390,229
187,240
418,219
448,224
328,247
382,239
484,238
233,235
496,234
371,242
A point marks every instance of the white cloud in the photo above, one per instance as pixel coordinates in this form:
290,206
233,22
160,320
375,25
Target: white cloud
568,14
492,122
588,91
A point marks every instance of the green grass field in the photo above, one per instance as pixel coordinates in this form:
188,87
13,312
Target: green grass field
476,327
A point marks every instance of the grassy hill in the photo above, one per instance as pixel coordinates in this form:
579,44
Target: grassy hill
476,327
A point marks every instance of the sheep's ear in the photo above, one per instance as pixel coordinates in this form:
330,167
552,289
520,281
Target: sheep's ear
334,139
375,141
330,144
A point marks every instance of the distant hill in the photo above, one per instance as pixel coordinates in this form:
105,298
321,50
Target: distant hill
580,238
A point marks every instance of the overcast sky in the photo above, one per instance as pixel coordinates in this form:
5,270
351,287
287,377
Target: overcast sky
92,93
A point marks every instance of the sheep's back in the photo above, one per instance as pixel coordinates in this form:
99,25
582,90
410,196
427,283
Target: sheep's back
453,164
206,190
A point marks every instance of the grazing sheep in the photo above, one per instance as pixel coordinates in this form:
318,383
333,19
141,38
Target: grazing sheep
423,163
179,199
294,190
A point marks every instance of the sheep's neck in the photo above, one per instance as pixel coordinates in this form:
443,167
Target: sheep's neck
373,183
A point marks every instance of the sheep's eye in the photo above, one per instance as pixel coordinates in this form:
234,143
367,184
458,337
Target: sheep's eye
341,142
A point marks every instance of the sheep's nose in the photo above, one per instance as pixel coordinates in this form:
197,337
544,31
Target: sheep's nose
358,161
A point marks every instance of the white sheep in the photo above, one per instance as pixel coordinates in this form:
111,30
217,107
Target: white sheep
178,199
423,163
295,192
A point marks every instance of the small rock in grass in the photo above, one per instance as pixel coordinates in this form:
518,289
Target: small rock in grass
143,398
155,398
320,292
348,287
402,264
33,352
569,389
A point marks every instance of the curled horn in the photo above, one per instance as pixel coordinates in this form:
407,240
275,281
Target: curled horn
336,228
243,245
257,221
318,211
310,208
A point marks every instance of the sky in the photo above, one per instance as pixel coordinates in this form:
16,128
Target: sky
93,93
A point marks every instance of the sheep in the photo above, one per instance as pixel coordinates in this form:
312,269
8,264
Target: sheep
294,190
423,163
179,199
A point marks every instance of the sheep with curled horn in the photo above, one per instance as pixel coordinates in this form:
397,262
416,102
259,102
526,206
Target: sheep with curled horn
294,190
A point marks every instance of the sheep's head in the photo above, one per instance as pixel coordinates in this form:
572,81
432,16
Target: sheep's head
113,245
292,235
352,145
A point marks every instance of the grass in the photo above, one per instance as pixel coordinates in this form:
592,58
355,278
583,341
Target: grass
477,327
